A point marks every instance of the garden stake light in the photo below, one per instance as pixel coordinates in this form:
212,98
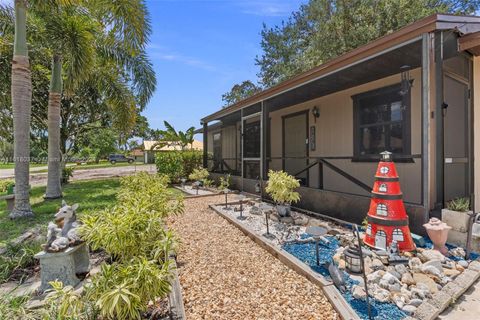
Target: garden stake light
266,209
317,233
240,198
226,191
362,265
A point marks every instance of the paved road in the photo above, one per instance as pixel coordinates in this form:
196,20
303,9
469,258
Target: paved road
9,173
39,179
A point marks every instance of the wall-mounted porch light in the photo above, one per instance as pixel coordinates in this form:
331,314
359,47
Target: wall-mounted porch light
315,113
406,82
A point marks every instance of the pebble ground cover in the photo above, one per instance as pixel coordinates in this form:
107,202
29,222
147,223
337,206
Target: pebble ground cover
225,275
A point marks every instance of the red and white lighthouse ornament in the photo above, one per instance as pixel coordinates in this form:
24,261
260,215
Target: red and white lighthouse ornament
387,218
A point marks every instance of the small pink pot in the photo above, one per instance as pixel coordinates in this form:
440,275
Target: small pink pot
438,233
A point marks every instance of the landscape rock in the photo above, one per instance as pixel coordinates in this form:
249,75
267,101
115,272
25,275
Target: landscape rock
415,302
463,263
415,264
408,279
457,252
474,265
421,278
427,255
451,272
401,268
381,295
409,309
428,269
377,264
358,292
375,276
434,263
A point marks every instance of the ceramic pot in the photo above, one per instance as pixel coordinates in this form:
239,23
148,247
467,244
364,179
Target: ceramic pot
283,210
438,233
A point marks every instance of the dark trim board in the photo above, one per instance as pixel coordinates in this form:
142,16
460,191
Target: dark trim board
347,207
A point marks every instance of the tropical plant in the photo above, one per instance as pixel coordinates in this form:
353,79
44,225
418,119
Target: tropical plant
134,234
459,204
199,174
63,302
224,182
170,136
281,187
13,307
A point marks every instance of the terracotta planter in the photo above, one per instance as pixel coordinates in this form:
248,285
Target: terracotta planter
438,233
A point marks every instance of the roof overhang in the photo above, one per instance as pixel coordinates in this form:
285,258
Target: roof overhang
462,24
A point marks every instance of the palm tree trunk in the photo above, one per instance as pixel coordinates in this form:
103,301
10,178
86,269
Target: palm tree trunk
54,188
22,105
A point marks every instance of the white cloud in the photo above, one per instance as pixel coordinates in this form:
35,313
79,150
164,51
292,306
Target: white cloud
269,8
159,52
6,2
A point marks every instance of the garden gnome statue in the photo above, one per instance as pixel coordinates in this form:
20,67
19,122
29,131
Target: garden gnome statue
387,218
438,233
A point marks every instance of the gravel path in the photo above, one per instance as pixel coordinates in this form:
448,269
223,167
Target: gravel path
225,275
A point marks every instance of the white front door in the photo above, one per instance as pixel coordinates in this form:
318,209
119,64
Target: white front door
381,240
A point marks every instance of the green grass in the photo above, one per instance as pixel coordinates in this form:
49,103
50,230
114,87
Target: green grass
89,194
12,165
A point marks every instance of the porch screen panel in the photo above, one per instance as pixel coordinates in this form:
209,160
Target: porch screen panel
251,147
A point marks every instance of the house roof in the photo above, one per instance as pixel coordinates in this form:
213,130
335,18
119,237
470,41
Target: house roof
170,145
462,24
137,152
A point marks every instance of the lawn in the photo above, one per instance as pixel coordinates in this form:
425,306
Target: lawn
90,194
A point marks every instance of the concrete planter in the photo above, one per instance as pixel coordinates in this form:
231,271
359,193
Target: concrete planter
456,219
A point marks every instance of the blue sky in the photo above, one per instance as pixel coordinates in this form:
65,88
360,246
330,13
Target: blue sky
200,49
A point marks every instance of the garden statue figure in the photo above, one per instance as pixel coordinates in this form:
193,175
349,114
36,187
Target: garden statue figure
68,215
55,243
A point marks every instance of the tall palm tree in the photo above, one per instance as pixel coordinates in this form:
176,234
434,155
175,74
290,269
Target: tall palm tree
72,35
21,104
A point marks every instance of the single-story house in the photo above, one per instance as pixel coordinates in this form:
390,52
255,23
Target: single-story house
150,147
138,154
414,92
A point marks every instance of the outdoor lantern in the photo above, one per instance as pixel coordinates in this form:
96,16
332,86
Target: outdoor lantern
183,180
352,259
317,233
266,209
257,187
315,113
405,82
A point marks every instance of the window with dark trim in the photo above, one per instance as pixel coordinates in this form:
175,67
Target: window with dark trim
381,122
251,139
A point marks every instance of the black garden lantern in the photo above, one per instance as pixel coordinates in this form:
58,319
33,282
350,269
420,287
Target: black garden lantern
240,198
405,80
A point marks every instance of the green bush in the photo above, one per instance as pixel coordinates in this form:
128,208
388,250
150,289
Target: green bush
134,234
67,173
199,174
5,185
178,164
281,187
12,307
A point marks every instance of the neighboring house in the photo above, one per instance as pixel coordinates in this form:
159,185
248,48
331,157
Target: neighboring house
138,155
414,92
151,147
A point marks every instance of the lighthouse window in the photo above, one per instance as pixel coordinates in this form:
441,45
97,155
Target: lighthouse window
381,122
397,235
382,210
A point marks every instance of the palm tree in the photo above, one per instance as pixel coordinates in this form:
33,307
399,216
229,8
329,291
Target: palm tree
72,35
181,138
21,104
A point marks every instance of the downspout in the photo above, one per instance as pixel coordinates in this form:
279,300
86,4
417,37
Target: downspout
426,46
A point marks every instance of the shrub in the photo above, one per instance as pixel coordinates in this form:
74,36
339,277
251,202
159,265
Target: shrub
224,182
14,307
170,164
66,304
280,187
178,164
5,185
67,173
134,234
459,204
199,174
15,259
